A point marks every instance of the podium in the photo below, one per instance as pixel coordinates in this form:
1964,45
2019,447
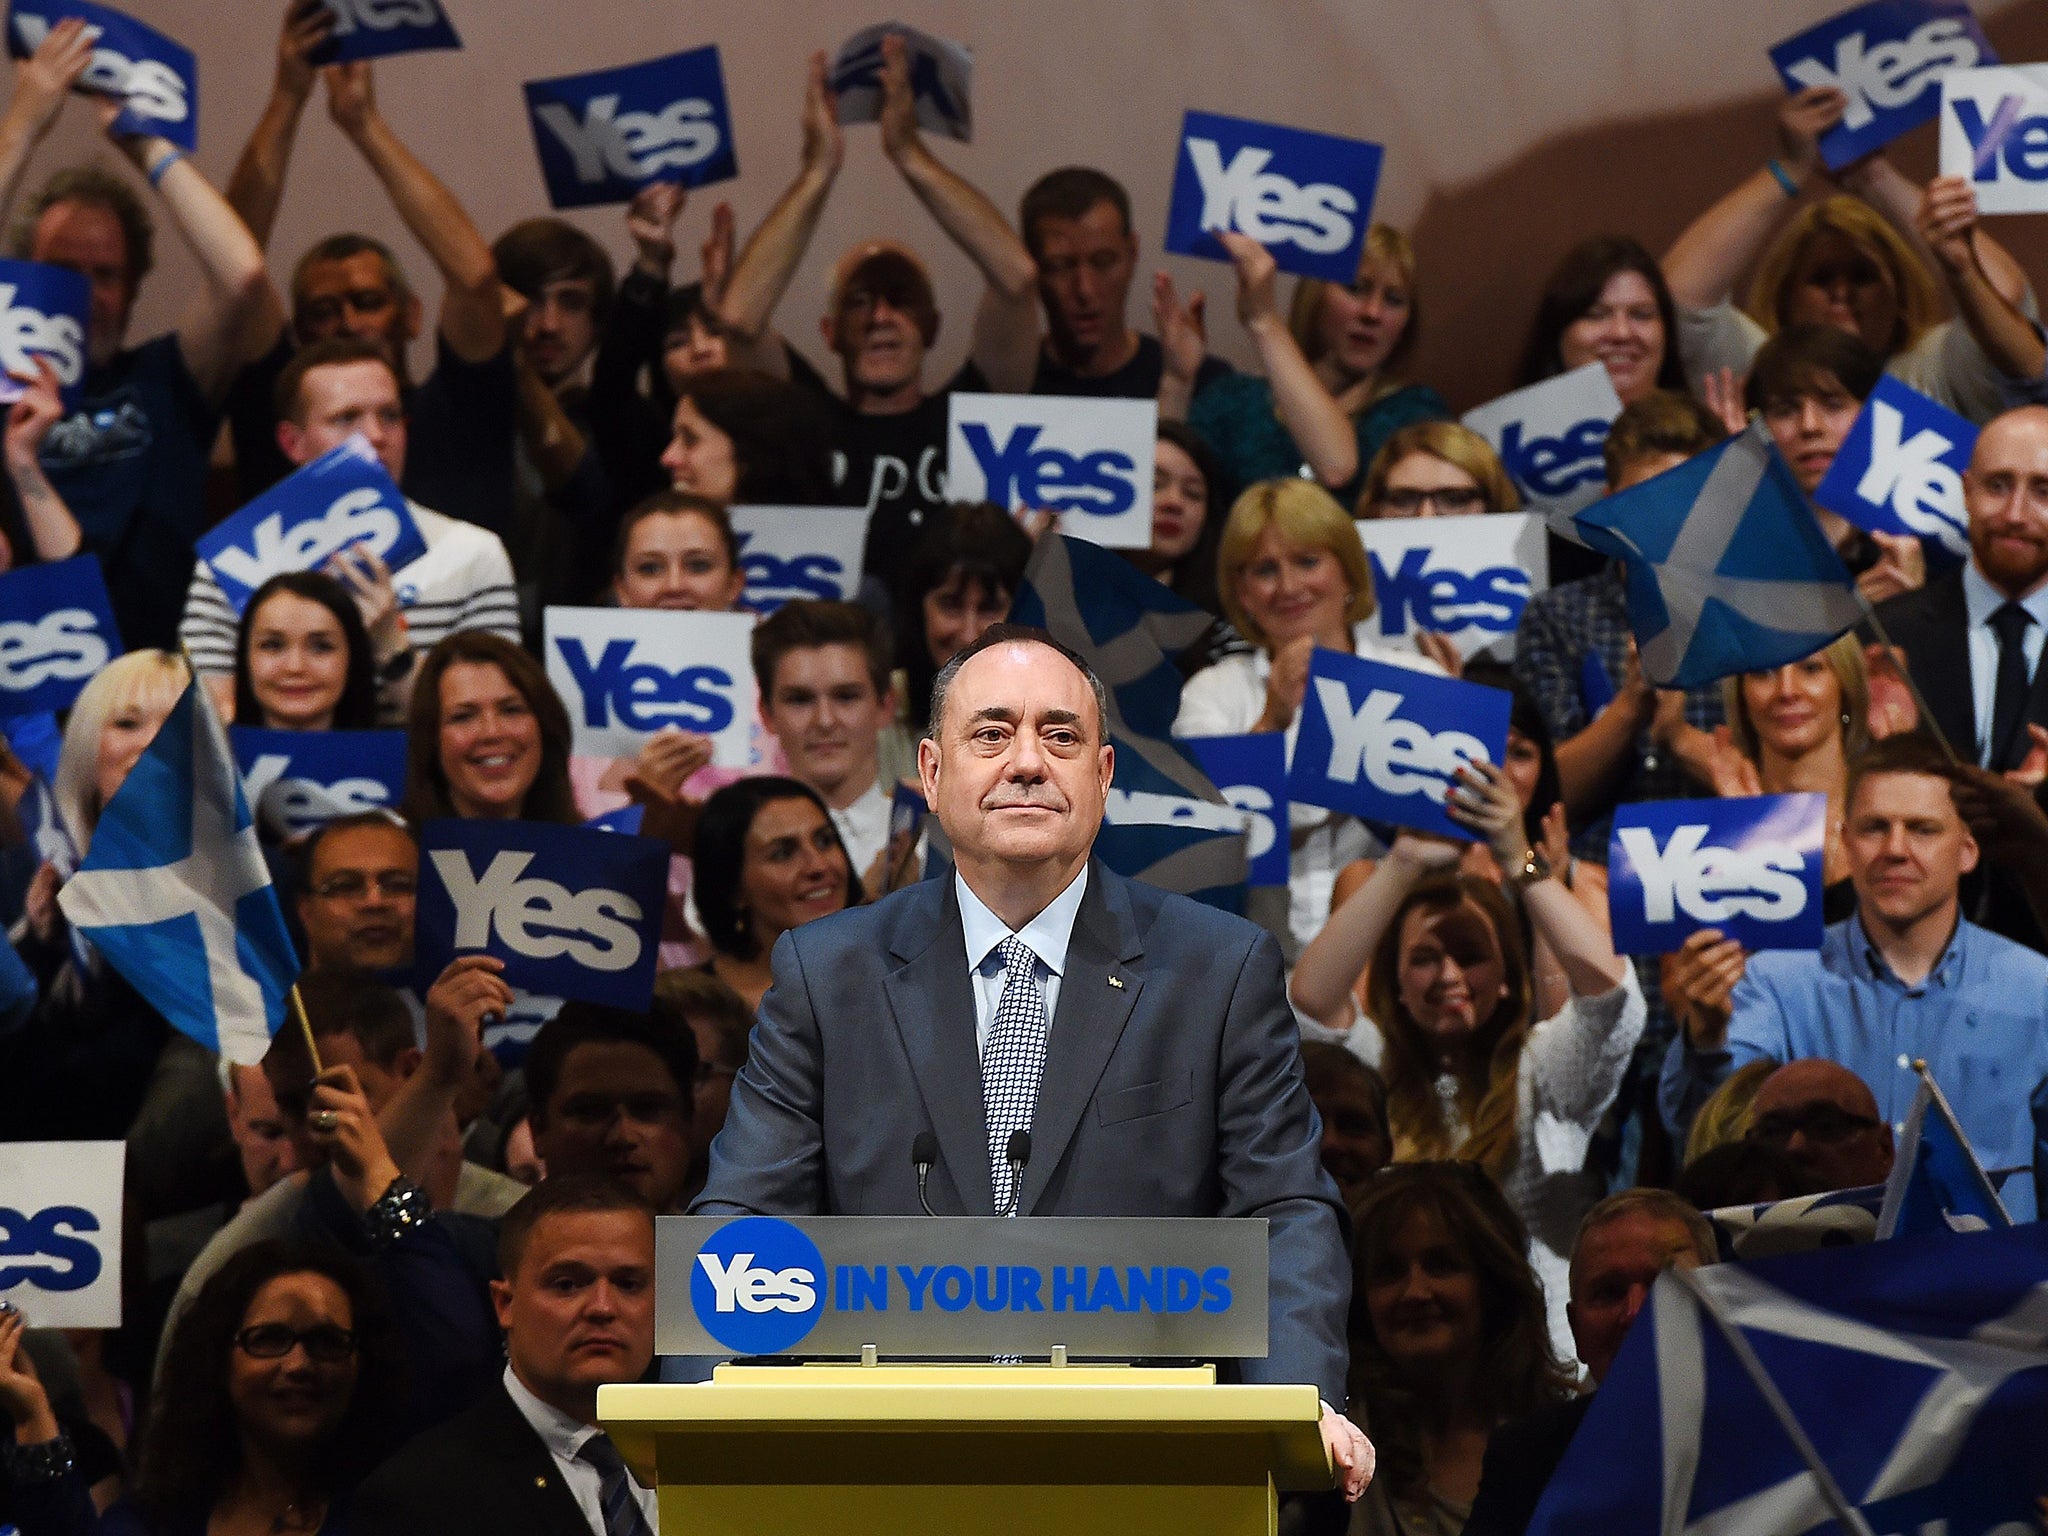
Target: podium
858,1450
833,1448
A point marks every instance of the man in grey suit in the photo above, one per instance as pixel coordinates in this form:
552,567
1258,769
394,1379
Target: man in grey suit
1142,1040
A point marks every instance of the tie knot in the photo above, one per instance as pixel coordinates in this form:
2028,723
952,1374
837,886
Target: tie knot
599,1451
1019,959
2009,622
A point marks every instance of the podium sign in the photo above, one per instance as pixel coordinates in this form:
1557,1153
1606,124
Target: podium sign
921,1286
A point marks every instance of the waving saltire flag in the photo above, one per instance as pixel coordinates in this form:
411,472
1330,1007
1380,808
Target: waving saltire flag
1937,1183
173,891
1728,569
1914,1374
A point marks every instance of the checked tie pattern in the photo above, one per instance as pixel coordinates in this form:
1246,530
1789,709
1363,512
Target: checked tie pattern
622,1513
1013,1061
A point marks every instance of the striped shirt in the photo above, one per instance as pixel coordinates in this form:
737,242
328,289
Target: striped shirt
463,581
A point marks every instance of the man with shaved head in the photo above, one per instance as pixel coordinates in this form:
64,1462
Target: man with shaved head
882,316
1824,1117
1142,1042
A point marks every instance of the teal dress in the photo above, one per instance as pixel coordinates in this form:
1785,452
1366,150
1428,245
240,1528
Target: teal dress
1235,417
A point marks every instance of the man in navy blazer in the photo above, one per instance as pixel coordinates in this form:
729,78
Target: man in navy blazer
1171,1081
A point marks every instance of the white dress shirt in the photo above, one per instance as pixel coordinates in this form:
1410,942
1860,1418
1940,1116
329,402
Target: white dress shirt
1046,935
1981,600
864,826
564,1437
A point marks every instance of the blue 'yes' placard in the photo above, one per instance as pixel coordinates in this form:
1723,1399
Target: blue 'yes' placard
43,314
572,911
56,632
1384,742
1251,773
1750,867
1305,196
156,78
343,497
1900,470
375,29
299,780
604,136
1888,58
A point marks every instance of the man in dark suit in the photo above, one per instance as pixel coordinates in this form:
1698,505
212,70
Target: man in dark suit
577,1309
1973,637
1144,1041
1624,1243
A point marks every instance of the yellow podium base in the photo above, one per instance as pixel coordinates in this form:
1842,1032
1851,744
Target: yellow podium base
932,1450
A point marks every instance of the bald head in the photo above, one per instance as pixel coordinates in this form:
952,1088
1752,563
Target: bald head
1826,1118
2006,491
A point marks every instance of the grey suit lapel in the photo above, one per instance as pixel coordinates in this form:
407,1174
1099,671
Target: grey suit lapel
935,1015
1085,1028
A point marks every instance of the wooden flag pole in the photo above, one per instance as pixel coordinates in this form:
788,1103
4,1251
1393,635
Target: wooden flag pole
305,1028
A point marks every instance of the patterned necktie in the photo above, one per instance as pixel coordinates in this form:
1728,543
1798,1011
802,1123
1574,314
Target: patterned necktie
1013,1062
622,1513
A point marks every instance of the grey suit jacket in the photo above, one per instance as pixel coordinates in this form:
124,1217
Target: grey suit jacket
1178,1093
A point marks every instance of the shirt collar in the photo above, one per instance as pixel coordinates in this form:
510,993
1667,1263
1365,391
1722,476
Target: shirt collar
1046,935
1871,965
1981,599
561,1434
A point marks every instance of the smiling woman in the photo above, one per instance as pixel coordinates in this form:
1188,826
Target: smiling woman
488,737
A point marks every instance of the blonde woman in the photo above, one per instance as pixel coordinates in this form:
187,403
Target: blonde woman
1331,390
1436,469
1293,576
1854,262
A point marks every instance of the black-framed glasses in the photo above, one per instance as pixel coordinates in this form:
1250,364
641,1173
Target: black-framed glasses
1816,1122
328,1343
1450,500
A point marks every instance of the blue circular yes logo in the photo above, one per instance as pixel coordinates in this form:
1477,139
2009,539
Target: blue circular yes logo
758,1285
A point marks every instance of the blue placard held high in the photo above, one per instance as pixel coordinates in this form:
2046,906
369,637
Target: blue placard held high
1900,470
1251,773
298,780
56,632
374,29
1306,197
156,78
1750,867
1383,742
1888,58
604,136
343,497
43,314
572,911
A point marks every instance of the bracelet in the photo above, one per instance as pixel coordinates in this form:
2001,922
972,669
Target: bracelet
402,1208
1783,177
156,172
44,1463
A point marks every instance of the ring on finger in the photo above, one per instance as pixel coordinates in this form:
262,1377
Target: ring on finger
324,1120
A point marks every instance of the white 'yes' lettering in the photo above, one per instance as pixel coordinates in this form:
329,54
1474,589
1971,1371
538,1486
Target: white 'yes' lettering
1399,756
632,145
1265,205
539,918
1713,884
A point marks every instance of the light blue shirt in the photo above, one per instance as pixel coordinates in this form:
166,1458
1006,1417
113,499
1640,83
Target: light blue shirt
1046,935
1981,600
1979,1021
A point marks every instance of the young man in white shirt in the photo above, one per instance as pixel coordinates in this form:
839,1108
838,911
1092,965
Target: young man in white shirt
823,671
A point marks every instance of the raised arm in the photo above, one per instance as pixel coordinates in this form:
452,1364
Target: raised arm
1335,958
761,275
1184,342
472,310
1899,198
216,327
1311,415
41,82
1006,322
1717,247
256,186
51,527
1947,222
457,1003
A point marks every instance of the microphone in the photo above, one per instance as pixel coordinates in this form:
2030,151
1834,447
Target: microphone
1016,1152
924,1151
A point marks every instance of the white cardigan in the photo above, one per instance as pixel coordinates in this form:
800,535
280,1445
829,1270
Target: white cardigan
1225,699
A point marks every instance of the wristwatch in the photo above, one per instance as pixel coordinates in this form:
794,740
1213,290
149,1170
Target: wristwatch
1535,867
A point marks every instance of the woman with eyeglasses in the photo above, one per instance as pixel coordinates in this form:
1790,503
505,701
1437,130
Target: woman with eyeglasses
1437,469
282,1387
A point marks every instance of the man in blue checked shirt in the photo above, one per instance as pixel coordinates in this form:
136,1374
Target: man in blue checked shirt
1906,978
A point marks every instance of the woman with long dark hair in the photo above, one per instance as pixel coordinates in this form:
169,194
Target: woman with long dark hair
302,658
488,737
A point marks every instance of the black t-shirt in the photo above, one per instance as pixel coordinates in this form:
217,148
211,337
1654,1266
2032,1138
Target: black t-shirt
893,465
461,425
1138,379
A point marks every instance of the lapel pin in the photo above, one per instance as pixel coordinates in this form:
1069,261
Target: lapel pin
1117,982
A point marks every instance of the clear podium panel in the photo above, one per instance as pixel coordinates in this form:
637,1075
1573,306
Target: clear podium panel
853,1450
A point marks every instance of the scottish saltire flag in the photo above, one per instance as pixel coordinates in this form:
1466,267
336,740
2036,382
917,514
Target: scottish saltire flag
1798,1225
1728,569
173,891
1917,1370
1165,823
1937,1184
